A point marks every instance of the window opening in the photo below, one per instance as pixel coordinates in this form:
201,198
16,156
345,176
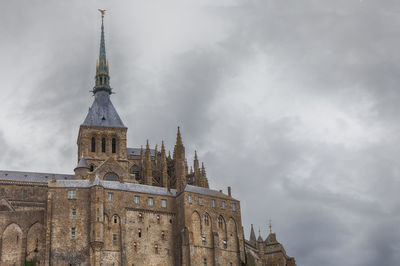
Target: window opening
103,145
114,145
150,201
73,232
71,194
93,144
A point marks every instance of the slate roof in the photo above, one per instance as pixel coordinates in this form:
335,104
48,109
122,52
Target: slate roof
32,176
115,185
103,113
82,163
136,151
206,191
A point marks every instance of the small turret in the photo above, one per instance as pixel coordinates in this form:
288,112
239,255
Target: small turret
164,166
260,244
197,175
271,239
82,169
253,240
148,172
156,156
204,179
179,156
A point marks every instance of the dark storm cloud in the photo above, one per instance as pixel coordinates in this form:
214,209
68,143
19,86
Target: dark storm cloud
292,103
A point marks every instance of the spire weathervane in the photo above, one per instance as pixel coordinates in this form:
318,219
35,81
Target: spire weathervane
102,11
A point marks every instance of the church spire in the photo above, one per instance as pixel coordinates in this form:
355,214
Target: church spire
102,73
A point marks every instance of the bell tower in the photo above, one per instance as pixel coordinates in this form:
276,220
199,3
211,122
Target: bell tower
102,134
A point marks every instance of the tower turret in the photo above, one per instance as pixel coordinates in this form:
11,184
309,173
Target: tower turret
197,175
179,157
164,166
148,172
102,134
253,239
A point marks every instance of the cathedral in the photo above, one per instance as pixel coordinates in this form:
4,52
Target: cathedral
125,206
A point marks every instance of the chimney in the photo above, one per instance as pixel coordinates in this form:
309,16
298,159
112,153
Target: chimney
229,192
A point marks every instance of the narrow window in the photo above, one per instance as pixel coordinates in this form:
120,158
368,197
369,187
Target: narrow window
103,145
220,222
136,199
140,233
115,219
225,243
71,194
156,248
91,168
213,203
93,144
73,232
206,221
158,219
162,235
140,216
114,145
223,205
150,201
234,207
110,196
134,246
164,203
73,216
189,199
114,239
200,201
203,240
205,262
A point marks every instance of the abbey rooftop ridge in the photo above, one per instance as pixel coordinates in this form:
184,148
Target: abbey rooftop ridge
124,206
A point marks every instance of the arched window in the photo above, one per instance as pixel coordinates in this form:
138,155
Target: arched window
114,145
111,177
93,144
206,221
91,168
220,222
103,145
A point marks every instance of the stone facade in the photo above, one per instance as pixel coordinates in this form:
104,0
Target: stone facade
122,206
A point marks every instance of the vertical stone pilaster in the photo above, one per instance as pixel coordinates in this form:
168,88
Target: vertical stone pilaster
48,218
217,251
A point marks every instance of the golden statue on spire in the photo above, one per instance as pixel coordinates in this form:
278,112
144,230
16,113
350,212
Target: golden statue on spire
102,11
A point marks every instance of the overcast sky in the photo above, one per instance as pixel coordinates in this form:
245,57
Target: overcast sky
294,103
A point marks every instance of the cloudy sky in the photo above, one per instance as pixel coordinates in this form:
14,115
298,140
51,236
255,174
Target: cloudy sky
294,103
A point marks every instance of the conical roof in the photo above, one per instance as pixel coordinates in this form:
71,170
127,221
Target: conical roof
82,164
103,113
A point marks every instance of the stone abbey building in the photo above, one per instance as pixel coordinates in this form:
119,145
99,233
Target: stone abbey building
124,206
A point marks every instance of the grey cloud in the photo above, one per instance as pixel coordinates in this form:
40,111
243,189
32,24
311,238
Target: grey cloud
332,201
